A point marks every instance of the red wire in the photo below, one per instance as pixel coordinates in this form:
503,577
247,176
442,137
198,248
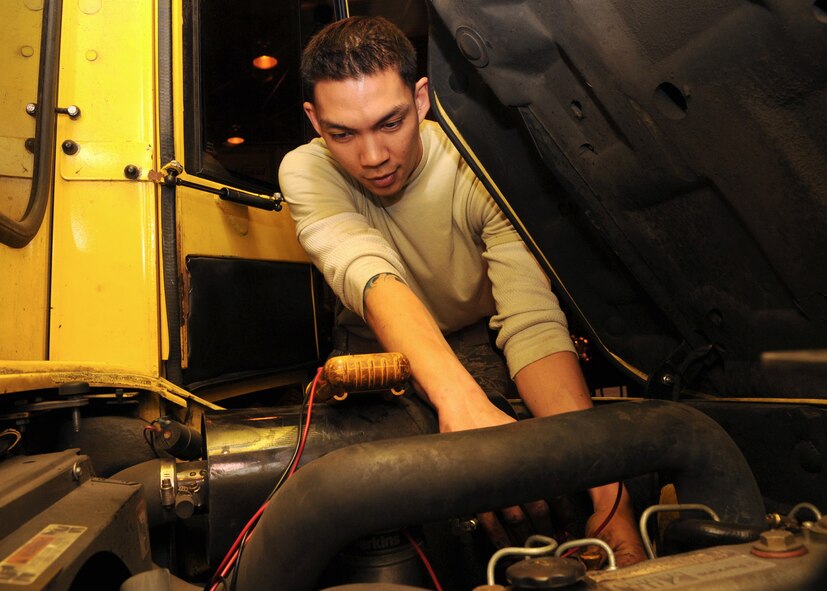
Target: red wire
424,559
306,423
232,554
605,521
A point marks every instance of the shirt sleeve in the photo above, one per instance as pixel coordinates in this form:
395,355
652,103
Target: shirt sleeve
529,322
331,228
349,252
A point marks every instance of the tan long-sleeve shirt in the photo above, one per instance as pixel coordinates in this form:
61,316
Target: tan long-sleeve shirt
445,237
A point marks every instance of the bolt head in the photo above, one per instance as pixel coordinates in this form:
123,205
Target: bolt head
131,171
779,540
69,147
31,108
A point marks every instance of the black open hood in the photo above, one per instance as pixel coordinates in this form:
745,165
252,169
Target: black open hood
667,163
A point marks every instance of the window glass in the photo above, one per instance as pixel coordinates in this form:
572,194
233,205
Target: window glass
244,98
20,44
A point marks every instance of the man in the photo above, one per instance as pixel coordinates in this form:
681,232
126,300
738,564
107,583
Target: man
416,249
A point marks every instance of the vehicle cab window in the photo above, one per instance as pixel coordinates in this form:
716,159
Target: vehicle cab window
243,91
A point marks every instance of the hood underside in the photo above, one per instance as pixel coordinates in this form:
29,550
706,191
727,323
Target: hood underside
667,163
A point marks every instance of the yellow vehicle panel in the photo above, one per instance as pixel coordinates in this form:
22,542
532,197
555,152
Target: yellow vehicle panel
104,270
24,272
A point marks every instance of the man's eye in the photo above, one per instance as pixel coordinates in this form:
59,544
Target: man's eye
340,136
392,124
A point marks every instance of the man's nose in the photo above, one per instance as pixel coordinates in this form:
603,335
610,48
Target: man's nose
374,152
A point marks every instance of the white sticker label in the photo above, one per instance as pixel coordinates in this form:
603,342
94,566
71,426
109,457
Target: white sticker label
30,560
678,577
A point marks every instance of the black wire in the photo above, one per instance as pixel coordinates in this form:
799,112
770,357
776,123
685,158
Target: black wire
149,437
278,485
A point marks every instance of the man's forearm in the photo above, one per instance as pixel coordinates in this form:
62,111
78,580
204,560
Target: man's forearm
552,385
402,323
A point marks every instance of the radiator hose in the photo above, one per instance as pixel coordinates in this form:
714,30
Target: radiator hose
370,487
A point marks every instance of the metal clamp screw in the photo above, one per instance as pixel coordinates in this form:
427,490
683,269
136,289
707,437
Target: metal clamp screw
72,110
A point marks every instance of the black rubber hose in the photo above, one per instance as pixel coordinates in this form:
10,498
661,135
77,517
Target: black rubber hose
149,475
684,535
112,442
371,487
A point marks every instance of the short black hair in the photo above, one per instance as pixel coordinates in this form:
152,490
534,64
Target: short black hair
356,47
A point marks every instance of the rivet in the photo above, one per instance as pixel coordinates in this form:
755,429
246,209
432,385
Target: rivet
131,171
91,55
69,147
34,4
89,6
27,51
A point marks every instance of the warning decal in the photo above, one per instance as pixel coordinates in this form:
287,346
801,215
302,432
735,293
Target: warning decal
30,560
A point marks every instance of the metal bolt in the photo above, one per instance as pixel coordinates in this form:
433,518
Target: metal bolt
668,379
463,526
72,110
29,144
77,471
779,540
31,109
167,493
69,147
131,171
184,505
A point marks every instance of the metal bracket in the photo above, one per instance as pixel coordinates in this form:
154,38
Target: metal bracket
169,176
677,371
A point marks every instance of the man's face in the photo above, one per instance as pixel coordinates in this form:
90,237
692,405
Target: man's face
371,126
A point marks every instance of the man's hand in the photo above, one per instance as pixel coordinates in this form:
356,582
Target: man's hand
548,386
621,532
516,524
512,525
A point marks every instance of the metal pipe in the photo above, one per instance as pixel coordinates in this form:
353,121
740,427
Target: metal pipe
548,546
247,450
151,474
370,487
644,518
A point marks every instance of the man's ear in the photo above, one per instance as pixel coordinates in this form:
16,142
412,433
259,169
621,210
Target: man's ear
310,111
421,98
